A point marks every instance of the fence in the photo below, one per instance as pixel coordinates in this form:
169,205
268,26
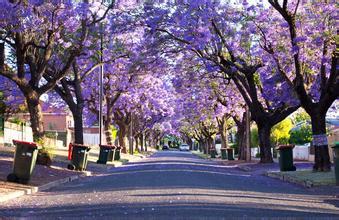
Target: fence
17,132
91,139
13,131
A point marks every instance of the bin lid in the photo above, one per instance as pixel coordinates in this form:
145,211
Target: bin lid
80,145
107,146
285,146
29,144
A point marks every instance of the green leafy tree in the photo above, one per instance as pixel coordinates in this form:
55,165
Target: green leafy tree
300,116
301,135
281,132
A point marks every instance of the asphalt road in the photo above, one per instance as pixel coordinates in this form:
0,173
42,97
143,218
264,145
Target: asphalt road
174,185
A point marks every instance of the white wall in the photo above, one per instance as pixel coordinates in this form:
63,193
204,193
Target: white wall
301,152
91,139
17,132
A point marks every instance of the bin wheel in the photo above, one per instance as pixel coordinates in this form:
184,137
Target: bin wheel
70,167
12,177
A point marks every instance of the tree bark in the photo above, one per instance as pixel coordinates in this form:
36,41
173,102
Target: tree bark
321,157
108,133
222,125
122,137
107,124
35,112
78,126
264,131
201,147
137,143
241,124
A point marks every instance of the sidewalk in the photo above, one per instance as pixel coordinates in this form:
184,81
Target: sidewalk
44,177
302,176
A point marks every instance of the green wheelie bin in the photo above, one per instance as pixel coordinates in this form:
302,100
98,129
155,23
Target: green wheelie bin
223,153
24,161
79,157
286,157
117,153
105,153
111,153
213,152
230,153
336,162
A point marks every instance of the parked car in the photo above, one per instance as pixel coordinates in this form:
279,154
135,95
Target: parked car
165,147
184,147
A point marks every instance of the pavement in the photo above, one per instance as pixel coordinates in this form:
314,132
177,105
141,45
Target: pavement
176,185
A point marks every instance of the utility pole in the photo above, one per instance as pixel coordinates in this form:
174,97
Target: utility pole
131,135
101,77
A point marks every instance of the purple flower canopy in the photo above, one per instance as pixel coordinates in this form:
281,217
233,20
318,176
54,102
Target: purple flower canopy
169,64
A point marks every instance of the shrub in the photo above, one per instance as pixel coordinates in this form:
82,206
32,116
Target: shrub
302,135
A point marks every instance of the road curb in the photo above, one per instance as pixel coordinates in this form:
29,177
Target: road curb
245,168
35,189
286,178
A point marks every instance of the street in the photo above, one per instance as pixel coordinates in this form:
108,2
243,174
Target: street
174,185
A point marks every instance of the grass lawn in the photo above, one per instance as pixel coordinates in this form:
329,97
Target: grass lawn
201,155
307,177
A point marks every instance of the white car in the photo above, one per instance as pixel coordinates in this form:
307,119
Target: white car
184,147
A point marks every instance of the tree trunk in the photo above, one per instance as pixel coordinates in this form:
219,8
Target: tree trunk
35,112
141,141
78,125
321,157
241,142
122,137
223,132
137,143
264,131
241,124
108,134
201,146
107,126
208,145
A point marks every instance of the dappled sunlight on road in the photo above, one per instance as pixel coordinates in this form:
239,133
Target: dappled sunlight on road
179,200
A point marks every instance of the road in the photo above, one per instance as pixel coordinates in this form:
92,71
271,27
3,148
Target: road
174,185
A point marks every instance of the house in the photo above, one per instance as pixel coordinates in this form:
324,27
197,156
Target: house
58,123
